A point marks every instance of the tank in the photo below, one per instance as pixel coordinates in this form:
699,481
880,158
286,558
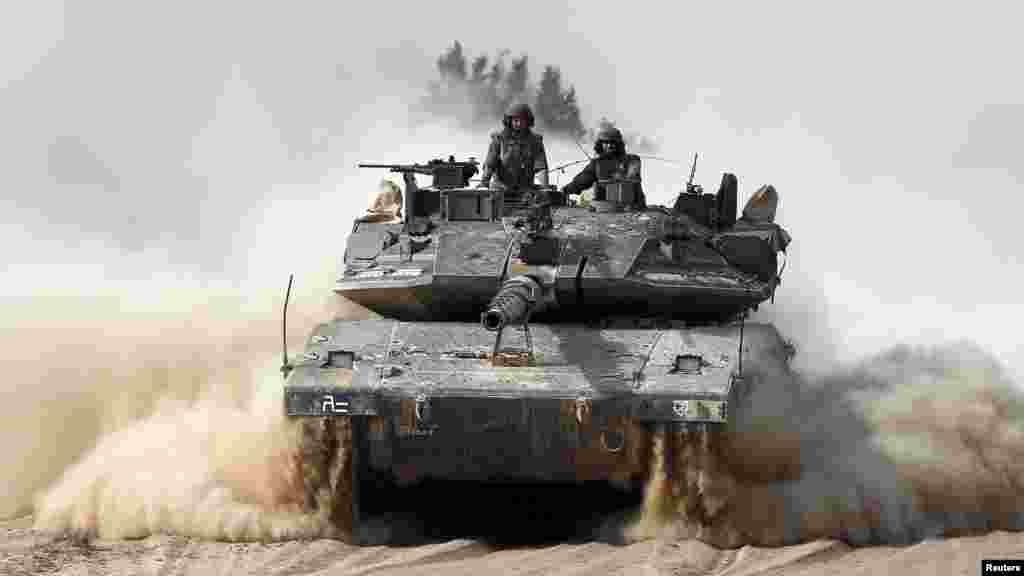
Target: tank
526,338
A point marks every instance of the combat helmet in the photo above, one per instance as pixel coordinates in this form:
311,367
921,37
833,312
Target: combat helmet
609,133
521,110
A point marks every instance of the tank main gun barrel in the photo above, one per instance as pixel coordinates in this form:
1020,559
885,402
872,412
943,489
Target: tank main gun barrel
513,304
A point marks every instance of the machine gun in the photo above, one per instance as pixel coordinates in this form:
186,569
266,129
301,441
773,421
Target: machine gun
445,173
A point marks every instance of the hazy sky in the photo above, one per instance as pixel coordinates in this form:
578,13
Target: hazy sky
141,138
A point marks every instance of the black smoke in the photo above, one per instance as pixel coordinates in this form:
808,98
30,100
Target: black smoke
475,92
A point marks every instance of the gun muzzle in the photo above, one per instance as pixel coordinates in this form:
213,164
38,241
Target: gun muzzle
511,305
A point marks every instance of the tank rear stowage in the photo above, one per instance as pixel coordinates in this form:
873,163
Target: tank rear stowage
521,340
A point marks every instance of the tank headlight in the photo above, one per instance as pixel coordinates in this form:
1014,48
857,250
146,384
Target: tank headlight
422,409
613,440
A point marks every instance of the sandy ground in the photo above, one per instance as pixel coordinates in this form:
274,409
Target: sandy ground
24,551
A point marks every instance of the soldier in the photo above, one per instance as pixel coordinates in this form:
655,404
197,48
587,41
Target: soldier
516,155
612,163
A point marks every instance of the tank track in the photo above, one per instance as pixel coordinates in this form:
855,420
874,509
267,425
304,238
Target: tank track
328,463
689,481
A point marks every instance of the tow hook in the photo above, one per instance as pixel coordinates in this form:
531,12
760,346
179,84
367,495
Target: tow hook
583,410
422,409
612,440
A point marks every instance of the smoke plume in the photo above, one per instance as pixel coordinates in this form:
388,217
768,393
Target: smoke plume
476,92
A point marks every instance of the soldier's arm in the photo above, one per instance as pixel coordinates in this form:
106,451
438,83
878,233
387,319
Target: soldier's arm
633,168
490,161
633,173
540,163
585,179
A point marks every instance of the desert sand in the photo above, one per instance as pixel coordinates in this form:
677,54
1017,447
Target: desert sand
25,551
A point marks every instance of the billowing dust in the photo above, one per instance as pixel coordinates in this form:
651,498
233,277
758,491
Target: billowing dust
204,469
127,422
911,444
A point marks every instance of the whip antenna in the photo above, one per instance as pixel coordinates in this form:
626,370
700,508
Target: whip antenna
582,149
285,367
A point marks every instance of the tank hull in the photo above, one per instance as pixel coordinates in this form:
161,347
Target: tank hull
570,403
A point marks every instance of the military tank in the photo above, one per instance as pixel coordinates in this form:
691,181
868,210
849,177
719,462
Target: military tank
522,339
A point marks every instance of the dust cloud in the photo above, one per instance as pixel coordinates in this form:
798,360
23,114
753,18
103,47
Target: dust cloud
914,443
217,472
139,419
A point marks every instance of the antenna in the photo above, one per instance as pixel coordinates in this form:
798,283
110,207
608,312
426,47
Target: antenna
285,367
563,166
659,158
582,149
690,187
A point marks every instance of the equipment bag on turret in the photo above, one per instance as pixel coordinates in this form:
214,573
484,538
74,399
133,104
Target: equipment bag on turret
753,244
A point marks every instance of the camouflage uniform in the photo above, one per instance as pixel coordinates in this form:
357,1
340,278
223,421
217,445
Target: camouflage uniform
515,157
613,165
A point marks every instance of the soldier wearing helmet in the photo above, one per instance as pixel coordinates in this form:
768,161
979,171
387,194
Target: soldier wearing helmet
516,154
611,164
